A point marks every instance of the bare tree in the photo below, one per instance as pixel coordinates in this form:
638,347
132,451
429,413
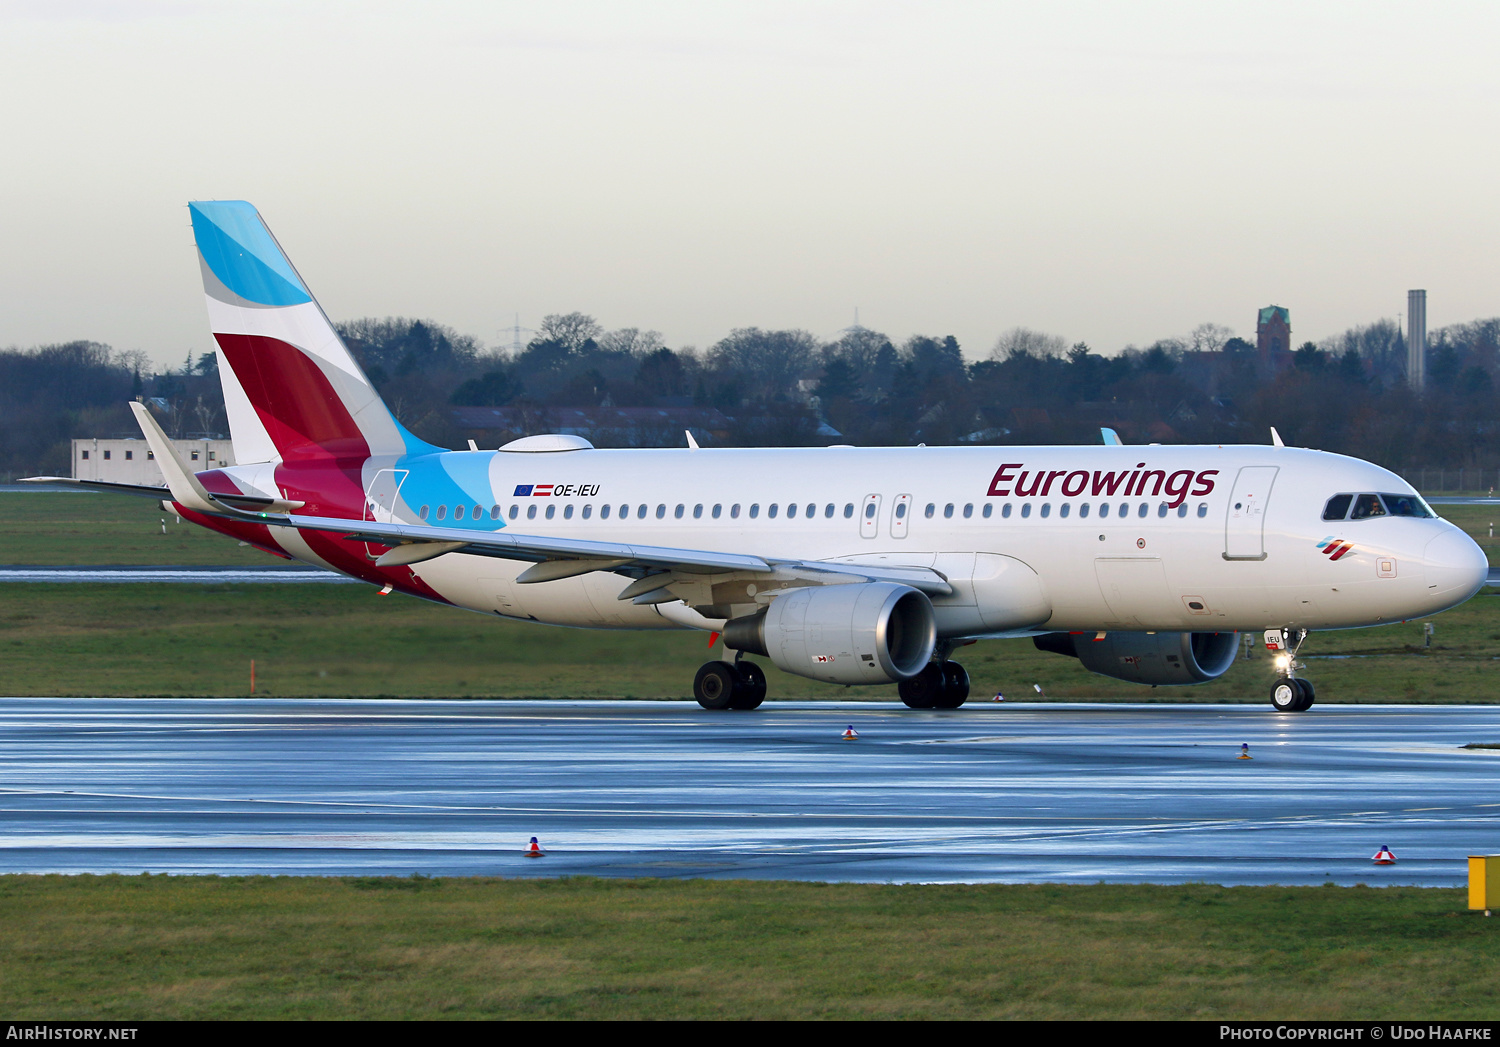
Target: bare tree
631,340
1023,341
1209,338
569,329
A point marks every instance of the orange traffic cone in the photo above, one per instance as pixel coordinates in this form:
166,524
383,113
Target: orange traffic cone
1384,857
1245,751
850,733
534,850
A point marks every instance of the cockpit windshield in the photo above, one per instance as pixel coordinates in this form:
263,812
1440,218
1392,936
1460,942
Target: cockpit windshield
1368,506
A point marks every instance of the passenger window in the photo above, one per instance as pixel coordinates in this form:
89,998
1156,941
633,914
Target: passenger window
754,510
1046,509
718,508
1202,509
478,511
734,511
1083,510
930,510
1406,505
812,510
588,510
1161,510
1103,510
968,510
677,513
828,511
640,511
698,512
948,511
661,512
494,512
771,512
848,510
989,510
1143,510
1337,507
422,513
1005,512
870,511
1365,506
567,512
901,510
791,511
530,512
1062,510
1182,510
1025,510
551,511
515,511
458,512
443,511
604,512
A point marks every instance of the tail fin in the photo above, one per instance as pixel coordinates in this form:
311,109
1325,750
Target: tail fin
291,389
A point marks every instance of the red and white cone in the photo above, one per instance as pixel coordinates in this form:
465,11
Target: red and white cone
1384,857
850,733
534,850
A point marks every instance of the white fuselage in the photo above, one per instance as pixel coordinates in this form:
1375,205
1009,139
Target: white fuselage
1200,539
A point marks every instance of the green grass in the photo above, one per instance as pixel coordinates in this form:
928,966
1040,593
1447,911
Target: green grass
335,640
142,947
63,529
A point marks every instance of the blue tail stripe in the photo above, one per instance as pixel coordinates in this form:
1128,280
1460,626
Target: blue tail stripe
238,248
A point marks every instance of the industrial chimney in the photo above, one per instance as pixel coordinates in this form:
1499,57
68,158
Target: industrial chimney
1416,339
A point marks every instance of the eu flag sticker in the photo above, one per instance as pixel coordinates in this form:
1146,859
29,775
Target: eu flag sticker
522,491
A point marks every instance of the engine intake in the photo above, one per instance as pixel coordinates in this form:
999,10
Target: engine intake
1152,658
864,632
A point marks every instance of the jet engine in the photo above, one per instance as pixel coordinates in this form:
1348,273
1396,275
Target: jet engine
861,632
1153,658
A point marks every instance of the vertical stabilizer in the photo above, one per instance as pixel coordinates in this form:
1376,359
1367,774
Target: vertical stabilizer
291,389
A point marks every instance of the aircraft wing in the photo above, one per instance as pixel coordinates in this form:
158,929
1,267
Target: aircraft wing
555,558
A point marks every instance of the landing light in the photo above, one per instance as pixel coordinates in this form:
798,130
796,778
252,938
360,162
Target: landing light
1283,660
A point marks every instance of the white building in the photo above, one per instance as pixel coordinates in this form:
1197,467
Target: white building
130,461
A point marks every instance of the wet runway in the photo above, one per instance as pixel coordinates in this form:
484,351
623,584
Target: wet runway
192,575
1011,792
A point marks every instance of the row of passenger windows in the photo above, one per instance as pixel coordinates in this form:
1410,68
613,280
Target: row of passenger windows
1365,506
810,510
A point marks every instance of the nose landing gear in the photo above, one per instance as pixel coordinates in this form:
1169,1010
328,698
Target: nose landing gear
1289,694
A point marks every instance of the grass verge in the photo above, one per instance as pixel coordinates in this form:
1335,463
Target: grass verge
142,947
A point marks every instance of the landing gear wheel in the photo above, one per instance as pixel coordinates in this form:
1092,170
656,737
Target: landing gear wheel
751,689
924,690
1307,696
1286,695
955,687
715,685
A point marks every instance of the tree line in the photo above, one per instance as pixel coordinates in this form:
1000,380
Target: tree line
787,387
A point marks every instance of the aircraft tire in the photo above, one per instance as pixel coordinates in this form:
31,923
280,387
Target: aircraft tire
1307,696
923,690
1286,695
955,687
751,689
715,685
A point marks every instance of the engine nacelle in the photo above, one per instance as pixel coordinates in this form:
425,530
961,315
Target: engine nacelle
1154,658
862,632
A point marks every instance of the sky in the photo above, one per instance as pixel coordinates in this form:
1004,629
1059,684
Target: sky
1112,173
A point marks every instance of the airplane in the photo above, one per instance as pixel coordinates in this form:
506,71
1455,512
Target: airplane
842,564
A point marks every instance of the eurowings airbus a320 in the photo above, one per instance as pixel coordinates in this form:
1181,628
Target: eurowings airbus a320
844,564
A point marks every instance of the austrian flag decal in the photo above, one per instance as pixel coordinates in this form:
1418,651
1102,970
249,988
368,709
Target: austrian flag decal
1334,548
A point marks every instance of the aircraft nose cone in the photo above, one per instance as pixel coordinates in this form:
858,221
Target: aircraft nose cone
1455,566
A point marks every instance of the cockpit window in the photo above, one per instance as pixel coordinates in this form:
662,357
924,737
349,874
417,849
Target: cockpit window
1366,506
1337,507
1406,505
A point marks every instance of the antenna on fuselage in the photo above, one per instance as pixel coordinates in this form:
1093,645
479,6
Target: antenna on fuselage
1276,438
1111,438
692,444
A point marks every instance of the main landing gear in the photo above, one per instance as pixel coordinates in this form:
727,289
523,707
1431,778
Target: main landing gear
730,685
1289,694
940,685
